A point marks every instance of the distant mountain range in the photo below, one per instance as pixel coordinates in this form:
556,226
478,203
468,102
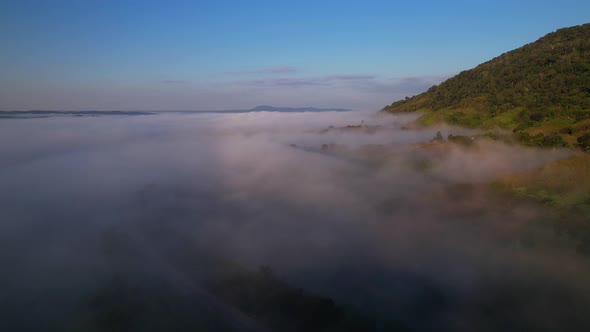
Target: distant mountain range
541,91
266,108
263,108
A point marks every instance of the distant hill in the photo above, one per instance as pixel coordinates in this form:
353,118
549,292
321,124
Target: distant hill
48,113
265,108
541,91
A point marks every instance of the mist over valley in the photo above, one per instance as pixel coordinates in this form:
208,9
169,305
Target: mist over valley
349,206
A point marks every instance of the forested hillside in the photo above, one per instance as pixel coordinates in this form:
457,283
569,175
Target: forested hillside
541,91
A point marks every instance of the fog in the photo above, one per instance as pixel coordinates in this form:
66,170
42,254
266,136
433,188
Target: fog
368,215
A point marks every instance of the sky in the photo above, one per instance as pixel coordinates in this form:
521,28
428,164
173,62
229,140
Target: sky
214,55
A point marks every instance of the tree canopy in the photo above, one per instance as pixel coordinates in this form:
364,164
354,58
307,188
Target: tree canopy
540,88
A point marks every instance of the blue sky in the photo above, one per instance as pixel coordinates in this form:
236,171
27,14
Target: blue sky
100,54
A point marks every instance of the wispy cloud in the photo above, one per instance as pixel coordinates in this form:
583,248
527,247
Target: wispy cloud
174,82
349,77
305,81
404,85
278,70
274,70
280,82
362,91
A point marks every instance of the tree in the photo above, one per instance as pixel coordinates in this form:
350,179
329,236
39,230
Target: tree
438,137
584,142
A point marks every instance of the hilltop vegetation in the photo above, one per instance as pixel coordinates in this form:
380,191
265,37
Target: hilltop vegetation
540,91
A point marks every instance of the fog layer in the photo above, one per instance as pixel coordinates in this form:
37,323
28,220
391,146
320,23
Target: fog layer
345,205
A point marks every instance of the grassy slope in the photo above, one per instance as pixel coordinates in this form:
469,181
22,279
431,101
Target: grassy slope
564,184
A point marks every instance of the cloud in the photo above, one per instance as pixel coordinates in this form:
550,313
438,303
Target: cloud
286,69
175,82
305,81
370,83
404,85
357,91
278,70
349,77
280,82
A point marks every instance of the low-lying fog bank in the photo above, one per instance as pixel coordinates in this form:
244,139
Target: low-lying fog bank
344,205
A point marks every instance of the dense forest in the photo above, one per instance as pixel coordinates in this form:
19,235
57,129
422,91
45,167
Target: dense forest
540,91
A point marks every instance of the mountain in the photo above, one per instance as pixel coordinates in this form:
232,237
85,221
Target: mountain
265,108
541,91
47,113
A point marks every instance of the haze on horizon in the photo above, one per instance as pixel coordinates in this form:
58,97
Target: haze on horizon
212,55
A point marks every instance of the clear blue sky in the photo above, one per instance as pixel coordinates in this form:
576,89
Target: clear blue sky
101,54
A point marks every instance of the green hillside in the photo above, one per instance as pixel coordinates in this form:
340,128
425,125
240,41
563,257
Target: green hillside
541,91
